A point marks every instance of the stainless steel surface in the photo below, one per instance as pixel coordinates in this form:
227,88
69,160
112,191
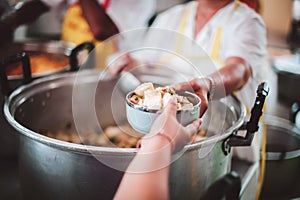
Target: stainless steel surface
66,170
282,159
287,69
249,173
127,82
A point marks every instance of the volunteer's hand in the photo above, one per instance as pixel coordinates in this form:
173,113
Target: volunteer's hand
166,123
200,86
123,63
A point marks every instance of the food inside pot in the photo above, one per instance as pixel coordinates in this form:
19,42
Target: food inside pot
121,136
147,96
41,63
113,136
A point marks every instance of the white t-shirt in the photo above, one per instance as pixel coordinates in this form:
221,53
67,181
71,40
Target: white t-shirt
129,14
243,35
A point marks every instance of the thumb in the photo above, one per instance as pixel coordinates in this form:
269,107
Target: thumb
171,107
194,126
181,86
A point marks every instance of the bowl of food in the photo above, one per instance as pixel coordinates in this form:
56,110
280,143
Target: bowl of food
145,103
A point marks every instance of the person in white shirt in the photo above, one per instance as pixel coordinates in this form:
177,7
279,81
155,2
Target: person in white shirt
233,37
232,34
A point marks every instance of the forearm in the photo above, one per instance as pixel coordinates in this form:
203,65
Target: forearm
231,77
148,174
100,23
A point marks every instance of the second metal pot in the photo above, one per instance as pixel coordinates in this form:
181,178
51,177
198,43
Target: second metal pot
8,137
282,160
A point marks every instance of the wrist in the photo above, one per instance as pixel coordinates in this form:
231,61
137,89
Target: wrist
157,142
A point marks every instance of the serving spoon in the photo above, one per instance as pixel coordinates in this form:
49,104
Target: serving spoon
127,82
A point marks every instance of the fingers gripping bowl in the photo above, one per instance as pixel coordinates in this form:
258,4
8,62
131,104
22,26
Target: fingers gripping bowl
144,104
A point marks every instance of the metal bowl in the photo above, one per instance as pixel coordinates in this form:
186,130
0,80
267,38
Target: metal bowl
141,118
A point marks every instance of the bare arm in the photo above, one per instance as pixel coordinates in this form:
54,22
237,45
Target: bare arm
100,23
148,174
230,78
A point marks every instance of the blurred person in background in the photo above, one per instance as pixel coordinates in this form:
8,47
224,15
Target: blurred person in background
18,16
232,34
83,20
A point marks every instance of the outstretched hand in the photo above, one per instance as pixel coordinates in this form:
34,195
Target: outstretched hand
166,123
123,63
200,87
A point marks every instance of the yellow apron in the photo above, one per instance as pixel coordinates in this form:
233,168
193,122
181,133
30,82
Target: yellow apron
214,55
75,29
215,52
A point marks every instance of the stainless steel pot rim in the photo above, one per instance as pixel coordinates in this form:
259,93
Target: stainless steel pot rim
96,149
31,45
88,149
281,123
137,107
291,129
282,156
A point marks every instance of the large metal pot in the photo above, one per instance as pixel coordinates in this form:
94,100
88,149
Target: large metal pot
53,169
11,55
282,160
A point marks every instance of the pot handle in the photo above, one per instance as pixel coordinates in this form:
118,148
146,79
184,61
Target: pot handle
252,125
228,188
74,64
27,77
295,113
